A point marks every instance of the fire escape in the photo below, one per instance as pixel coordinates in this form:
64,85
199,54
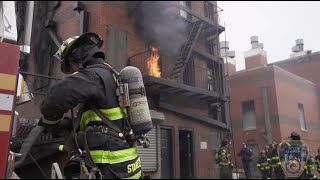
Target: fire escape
178,75
186,51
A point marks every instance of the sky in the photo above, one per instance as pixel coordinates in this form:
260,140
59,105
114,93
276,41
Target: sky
277,24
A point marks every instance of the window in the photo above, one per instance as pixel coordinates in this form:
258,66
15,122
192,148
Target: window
302,120
208,10
209,44
184,13
212,77
210,80
215,111
188,74
249,116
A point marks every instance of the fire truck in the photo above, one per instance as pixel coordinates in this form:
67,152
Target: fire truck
13,89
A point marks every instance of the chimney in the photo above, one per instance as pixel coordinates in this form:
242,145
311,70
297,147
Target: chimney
256,56
298,49
229,62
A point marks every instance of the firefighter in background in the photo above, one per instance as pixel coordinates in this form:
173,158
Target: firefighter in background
317,161
92,83
308,168
264,165
246,154
275,162
224,160
268,150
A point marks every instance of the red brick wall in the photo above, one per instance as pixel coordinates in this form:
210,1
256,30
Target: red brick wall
306,69
285,91
255,61
203,158
247,91
229,68
290,92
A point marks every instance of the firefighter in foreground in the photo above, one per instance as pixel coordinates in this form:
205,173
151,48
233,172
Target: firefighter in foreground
224,160
264,165
92,86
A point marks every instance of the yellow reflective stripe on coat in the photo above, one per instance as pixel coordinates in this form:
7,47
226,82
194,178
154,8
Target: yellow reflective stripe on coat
112,114
136,176
114,157
224,163
61,147
45,121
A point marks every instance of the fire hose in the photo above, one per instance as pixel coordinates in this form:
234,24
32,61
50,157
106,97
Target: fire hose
32,138
27,145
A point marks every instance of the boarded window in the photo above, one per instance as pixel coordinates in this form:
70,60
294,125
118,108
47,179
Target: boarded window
302,120
249,115
117,46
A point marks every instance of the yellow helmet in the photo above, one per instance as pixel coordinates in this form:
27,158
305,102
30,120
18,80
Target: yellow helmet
71,44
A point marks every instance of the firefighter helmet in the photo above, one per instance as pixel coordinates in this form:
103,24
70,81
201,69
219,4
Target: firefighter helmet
71,44
294,136
224,142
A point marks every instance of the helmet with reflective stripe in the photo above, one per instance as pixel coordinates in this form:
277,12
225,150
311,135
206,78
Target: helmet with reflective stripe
60,54
71,44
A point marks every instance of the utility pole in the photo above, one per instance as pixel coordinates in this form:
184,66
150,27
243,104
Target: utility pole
228,93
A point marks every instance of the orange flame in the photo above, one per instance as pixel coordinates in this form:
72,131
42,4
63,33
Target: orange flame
153,63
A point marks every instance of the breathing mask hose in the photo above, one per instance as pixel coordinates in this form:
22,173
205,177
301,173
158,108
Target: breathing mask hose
27,145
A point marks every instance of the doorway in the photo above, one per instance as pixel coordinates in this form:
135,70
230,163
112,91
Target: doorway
166,153
186,154
255,173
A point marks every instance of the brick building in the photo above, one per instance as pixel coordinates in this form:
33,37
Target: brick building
269,101
182,72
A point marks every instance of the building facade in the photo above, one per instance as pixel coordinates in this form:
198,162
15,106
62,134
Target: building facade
269,101
176,47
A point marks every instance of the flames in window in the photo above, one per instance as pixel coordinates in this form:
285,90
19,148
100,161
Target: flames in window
153,63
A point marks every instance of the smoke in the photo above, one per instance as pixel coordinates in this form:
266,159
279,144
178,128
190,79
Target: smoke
158,27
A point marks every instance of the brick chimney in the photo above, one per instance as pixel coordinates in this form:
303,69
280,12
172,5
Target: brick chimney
256,56
229,62
298,49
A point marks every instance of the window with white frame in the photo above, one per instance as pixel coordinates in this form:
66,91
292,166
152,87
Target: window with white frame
249,115
302,120
183,13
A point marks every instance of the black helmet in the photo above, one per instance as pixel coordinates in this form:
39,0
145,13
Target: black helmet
224,142
294,136
70,45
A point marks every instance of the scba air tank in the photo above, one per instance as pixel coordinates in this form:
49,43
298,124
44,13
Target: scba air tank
138,111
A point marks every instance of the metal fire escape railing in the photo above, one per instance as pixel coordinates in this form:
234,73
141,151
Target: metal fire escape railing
200,77
206,26
186,50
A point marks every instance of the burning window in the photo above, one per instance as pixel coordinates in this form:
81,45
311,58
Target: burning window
153,63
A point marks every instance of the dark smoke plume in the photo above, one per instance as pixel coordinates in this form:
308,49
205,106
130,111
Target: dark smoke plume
158,27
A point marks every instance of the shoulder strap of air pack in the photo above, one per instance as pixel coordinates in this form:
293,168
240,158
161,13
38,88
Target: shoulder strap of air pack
104,118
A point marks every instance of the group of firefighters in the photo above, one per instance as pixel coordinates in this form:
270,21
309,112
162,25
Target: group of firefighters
268,163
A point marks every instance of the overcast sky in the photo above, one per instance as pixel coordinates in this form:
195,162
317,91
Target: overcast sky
277,23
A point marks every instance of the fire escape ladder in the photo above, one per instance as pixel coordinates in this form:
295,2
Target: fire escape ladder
186,51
